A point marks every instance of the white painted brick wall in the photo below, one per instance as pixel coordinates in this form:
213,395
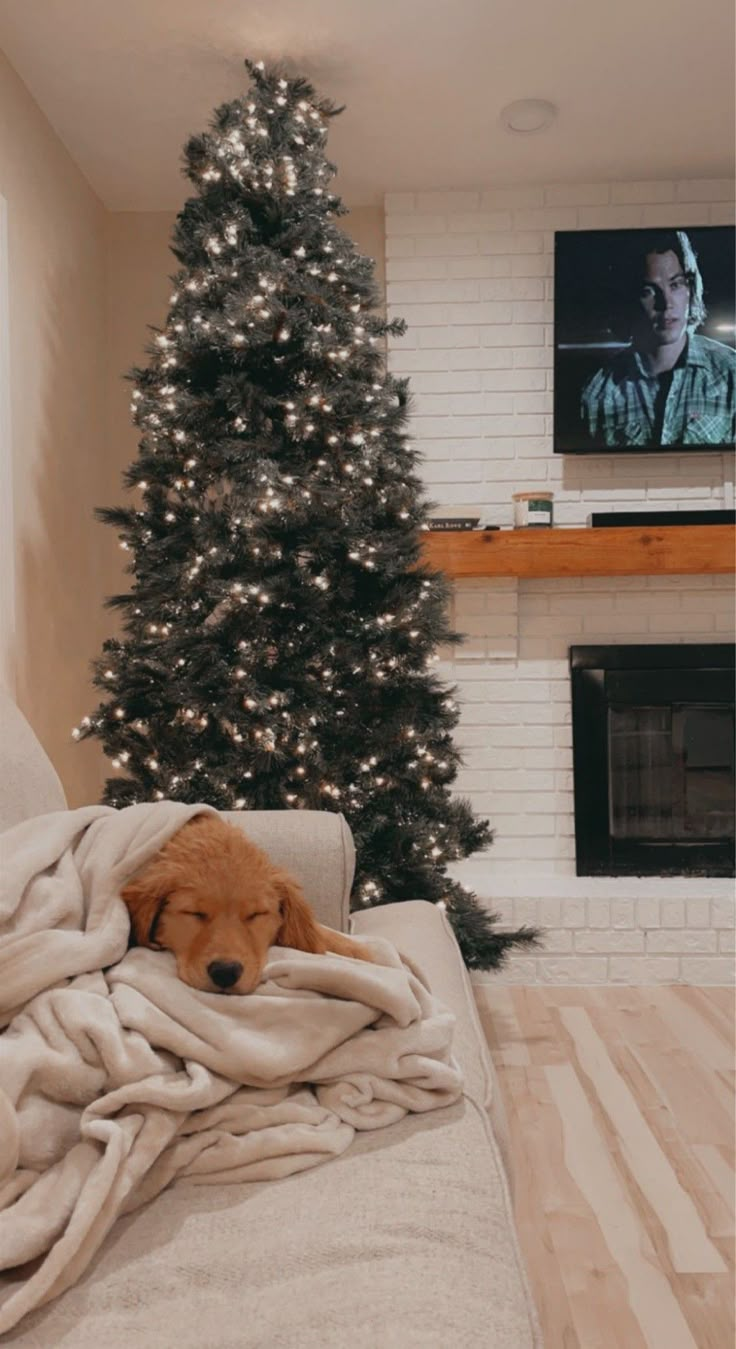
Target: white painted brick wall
472,274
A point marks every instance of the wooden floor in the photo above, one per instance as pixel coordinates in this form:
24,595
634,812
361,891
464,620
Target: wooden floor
620,1109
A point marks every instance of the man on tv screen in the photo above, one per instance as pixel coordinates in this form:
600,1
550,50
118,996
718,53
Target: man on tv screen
669,386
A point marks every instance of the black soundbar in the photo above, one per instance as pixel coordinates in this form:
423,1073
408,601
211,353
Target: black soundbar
620,519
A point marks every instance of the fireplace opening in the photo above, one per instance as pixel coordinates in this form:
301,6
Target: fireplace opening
653,756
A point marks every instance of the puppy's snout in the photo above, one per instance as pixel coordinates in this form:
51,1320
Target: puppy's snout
224,973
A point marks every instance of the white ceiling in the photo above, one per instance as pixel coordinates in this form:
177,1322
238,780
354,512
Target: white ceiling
645,88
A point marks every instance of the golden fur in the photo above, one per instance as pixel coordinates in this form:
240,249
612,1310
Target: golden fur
218,903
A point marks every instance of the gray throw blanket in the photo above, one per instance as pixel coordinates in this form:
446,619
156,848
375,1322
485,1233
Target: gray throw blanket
116,1078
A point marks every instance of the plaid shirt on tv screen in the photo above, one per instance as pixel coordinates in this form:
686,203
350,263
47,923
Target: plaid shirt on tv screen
694,404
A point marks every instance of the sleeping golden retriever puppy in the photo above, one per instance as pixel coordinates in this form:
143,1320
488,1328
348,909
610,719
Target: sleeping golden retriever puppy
218,903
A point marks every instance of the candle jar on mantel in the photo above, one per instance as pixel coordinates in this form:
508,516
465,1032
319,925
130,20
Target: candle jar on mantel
533,510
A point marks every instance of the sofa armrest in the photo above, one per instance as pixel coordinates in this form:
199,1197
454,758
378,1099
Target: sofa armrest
316,846
29,784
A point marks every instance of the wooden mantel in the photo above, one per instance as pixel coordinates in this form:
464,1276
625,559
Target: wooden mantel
650,550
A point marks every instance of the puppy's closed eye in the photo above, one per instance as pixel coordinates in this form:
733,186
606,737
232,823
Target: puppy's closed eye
203,917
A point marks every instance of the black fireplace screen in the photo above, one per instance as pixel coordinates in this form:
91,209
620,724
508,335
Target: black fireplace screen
653,747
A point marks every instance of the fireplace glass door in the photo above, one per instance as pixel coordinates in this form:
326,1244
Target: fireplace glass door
653,731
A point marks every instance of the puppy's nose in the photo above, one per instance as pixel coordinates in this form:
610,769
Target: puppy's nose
224,973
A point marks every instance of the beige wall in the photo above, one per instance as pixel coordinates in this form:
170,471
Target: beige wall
366,226
56,264
138,266
84,285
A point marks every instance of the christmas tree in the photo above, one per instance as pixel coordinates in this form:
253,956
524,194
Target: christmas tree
278,637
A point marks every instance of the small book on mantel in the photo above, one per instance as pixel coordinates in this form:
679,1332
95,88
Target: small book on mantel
453,522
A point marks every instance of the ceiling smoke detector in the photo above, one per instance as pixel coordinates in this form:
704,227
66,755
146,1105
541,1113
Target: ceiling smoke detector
528,115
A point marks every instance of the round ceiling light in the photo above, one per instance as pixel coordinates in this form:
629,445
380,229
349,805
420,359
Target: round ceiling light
528,115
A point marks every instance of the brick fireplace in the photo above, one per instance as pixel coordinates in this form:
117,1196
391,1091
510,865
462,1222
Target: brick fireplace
472,274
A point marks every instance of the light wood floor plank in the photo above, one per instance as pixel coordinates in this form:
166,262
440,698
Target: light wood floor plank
721,1172
686,1160
684,1084
686,1163
705,1301
503,1032
710,1051
545,1270
539,1025
695,1032
690,1250
651,1299
575,1244
721,1018
723,998
622,1141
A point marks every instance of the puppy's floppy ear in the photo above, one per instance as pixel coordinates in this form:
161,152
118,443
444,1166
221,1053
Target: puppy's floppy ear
145,896
299,928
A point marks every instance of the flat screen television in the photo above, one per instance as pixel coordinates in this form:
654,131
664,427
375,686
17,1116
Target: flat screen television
645,340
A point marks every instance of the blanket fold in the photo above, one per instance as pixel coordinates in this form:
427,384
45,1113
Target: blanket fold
117,1079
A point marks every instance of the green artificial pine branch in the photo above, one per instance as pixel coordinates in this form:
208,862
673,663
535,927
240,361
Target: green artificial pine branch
280,629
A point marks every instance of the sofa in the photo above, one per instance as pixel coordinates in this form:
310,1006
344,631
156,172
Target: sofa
407,1239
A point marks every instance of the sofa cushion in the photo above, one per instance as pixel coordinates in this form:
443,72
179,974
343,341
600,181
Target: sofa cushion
316,846
406,1240
422,933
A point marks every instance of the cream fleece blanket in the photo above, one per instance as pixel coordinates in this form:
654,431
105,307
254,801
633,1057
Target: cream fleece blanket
116,1078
